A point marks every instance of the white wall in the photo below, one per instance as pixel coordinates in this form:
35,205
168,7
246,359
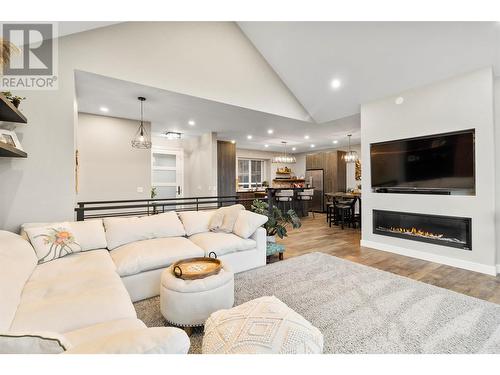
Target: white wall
200,166
298,169
351,182
497,165
212,60
200,162
460,103
109,168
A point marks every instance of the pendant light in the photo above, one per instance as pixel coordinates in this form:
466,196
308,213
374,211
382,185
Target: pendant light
351,156
284,158
141,139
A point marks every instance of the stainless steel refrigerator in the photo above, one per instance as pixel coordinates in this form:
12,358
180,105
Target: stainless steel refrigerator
314,177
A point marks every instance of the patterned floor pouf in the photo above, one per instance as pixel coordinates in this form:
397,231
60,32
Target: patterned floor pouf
262,326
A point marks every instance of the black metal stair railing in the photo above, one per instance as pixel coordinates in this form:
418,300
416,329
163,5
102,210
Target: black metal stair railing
146,207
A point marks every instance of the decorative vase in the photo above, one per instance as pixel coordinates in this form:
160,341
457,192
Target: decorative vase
271,239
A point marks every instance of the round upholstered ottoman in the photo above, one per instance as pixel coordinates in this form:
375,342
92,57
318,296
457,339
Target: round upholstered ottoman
188,303
262,326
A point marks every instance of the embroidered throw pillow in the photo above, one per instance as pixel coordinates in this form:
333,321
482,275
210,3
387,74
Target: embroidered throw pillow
57,240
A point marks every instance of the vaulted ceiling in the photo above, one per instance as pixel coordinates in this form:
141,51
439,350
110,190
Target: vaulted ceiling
371,60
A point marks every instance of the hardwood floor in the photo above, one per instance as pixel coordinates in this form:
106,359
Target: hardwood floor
316,235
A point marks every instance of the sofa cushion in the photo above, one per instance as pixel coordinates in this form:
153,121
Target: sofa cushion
152,254
124,230
196,221
100,330
56,240
17,262
222,243
247,223
76,291
33,343
224,218
156,340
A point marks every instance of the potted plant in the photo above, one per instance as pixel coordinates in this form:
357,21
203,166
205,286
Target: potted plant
14,99
278,221
153,192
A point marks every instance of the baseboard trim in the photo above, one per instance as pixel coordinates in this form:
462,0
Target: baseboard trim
471,266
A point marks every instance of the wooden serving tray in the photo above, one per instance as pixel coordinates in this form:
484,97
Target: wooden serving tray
196,268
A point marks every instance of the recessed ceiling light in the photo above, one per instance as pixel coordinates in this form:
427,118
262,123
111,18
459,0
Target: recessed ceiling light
233,141
104,109
399,100
306,137
266,146
336,83
249,137
312,146
191,123
270,131
294,148
173,135
335,142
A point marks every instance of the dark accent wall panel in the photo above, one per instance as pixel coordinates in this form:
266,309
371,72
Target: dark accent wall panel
334,167
226,168
341,171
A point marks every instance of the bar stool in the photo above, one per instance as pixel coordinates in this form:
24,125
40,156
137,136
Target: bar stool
284,196
332,213
345,212
306,196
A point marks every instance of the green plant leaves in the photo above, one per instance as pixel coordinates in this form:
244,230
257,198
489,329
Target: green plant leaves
277,221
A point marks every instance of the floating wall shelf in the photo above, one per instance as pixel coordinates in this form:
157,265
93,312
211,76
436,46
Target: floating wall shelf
10,114
8,151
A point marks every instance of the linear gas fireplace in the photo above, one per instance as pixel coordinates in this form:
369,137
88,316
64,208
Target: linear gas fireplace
440,230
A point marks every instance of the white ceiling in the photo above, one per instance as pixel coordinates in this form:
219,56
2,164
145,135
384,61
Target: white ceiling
72,27
168,110
372,59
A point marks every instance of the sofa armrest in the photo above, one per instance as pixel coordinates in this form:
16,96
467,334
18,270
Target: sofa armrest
260,236
157,340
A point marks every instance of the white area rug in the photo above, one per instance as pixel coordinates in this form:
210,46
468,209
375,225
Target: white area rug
360,309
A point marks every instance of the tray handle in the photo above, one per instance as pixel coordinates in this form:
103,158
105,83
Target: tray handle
177,271
212,252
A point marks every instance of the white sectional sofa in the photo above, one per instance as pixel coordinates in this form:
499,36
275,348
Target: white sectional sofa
83,301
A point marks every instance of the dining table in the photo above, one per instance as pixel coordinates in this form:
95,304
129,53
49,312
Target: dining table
346,195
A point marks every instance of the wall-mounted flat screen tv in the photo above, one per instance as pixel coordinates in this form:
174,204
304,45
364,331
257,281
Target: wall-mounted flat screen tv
442,162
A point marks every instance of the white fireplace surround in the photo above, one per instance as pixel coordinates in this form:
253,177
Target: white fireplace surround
458,103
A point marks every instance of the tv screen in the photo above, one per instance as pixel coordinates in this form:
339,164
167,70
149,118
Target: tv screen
442,161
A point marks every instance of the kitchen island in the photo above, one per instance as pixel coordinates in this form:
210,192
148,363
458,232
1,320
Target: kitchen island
269,194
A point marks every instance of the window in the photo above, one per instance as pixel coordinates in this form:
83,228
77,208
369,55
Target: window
250,173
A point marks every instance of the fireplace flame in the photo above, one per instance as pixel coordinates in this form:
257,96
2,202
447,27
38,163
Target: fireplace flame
416,232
